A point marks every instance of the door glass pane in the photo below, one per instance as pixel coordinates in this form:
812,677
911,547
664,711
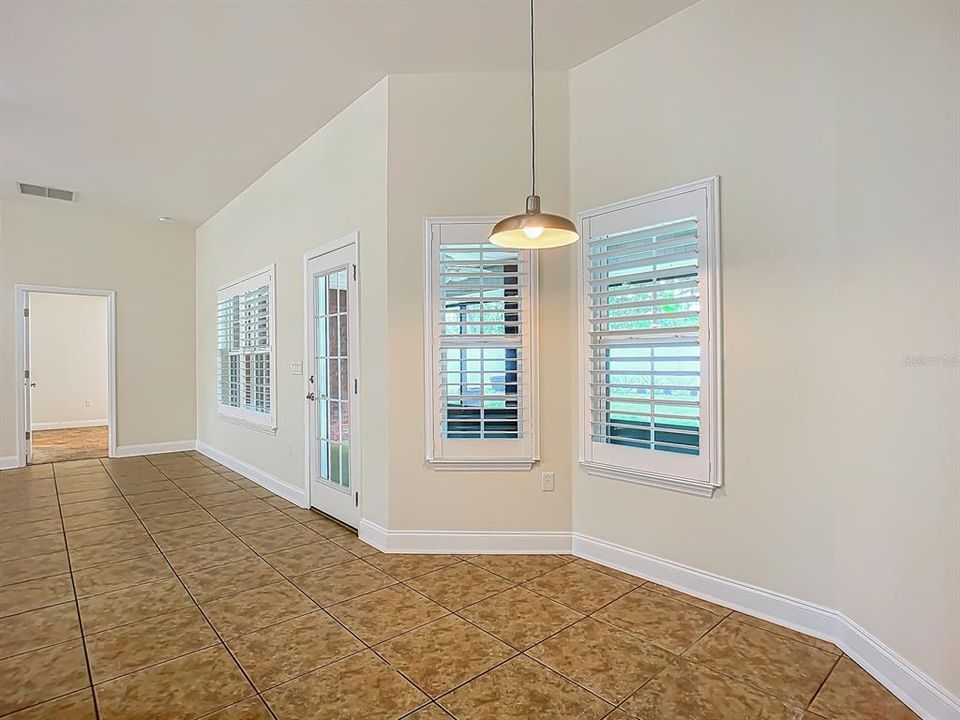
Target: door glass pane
333,377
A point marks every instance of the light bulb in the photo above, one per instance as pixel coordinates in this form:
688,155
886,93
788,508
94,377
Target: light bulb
533,232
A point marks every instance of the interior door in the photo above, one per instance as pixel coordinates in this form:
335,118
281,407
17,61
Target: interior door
28,382
332,384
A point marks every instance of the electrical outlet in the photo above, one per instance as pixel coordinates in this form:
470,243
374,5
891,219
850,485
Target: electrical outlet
548,482
88,403
296,367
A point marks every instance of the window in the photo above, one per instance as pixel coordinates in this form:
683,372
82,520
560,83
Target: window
245,389
480,315
650,353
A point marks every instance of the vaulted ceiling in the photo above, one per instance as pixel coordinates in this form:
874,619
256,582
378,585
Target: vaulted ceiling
172,108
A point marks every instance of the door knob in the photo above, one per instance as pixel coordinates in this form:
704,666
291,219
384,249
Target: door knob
311,396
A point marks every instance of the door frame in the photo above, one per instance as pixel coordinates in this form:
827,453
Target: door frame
356,437
22,291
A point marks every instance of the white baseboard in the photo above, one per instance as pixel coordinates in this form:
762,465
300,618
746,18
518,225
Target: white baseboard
68,424
8,462
917,690
154,448
441,541
297,496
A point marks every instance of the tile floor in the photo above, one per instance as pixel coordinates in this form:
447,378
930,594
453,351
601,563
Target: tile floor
171,588
70,444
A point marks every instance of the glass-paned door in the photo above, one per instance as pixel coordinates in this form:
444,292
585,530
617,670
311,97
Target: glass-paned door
332,389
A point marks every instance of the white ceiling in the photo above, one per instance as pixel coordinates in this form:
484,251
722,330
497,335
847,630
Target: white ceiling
173,107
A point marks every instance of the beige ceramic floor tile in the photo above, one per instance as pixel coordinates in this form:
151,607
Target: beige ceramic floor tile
35,528
342,582
785,668
76,706
37,629
223,580
34,594
252,709
240,509
208,555
101,517
94,506
32,568
116,533
41,675
306,558
360,686
383,614
130,605
669,623
124,574
459,585
128,648
260,522
693,692
175,521
579,587
355,545
280,538
522,689
610,663
520,617
94,555
786,632
443,654
520,568
689,599
254,609
406,566
184,688
190,536
625,577
852,694
29,547
284,651
431,712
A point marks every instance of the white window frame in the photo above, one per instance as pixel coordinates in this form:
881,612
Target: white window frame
704,474
478,454
266,422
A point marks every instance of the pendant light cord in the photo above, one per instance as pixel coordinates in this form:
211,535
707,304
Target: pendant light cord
533,111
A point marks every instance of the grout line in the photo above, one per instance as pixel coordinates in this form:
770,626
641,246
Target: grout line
76,600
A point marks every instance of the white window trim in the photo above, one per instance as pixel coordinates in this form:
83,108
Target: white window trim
240,416
711,353
481,461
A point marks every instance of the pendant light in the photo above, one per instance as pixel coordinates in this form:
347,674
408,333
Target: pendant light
533,230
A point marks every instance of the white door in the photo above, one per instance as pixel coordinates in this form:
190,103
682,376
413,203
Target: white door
332,384
28,382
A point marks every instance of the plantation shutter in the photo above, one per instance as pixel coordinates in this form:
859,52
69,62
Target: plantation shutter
648,396
245,351
481,371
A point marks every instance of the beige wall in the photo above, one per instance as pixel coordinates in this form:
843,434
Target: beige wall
68,359
835,128
459,146
150,265
330,186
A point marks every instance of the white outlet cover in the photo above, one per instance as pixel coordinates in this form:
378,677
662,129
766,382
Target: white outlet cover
296,367
548,482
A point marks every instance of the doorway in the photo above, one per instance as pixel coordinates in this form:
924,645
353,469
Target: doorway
332,387
65,361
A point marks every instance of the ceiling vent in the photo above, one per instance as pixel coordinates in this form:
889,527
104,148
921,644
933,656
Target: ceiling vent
47,192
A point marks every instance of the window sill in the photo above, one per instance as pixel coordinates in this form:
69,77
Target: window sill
259,427
491,465
666,482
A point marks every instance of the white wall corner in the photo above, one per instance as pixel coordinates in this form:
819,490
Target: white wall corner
8,462
154,448
297,496
914,688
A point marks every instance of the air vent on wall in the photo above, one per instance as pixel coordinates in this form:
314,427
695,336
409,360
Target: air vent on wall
47,192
